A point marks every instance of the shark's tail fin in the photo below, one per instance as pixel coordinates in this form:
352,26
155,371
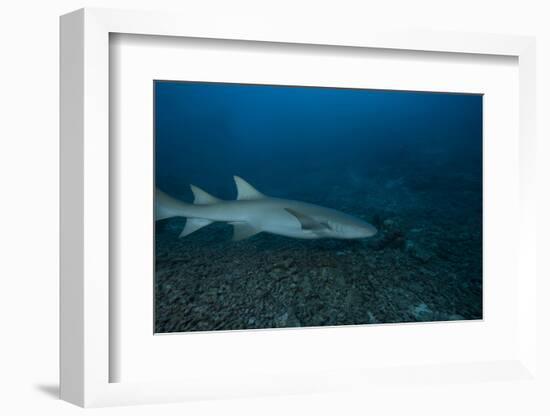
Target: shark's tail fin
167,207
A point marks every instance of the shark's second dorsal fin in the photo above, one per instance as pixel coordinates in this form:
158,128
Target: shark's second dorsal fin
202,197
245,190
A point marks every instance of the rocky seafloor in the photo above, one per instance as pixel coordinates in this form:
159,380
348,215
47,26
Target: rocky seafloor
425,263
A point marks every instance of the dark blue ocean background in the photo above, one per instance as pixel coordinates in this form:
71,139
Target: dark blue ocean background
408,162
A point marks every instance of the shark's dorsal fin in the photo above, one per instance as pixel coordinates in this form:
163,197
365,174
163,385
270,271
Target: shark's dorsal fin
202,197
245,190
307,222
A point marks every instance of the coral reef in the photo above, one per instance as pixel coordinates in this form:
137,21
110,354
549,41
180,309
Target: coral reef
425,264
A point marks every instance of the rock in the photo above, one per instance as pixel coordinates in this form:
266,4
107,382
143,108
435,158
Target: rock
376,220
389,223
348,301
325,272
281,320
422,312
423,256
292,320
306,285
418,252
339,279
372,318
391,239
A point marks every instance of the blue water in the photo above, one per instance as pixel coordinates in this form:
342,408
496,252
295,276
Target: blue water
408,162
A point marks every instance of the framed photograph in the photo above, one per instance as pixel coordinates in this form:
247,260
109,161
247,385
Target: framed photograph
265,211
391,231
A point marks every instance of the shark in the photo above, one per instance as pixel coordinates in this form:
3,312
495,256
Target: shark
253,212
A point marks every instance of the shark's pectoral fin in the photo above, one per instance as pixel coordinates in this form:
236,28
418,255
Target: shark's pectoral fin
194,224
307,222
242,230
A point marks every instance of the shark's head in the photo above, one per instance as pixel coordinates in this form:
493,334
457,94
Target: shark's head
350,228
328,223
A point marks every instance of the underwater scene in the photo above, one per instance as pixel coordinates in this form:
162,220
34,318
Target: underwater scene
290,206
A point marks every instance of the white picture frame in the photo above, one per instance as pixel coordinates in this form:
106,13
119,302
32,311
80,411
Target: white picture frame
85,210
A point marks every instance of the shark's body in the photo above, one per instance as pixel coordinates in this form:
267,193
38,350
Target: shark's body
254,212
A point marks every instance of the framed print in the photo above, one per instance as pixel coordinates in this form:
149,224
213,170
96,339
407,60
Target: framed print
249,213
337,148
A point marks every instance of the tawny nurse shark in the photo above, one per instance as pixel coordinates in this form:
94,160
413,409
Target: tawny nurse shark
253,212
